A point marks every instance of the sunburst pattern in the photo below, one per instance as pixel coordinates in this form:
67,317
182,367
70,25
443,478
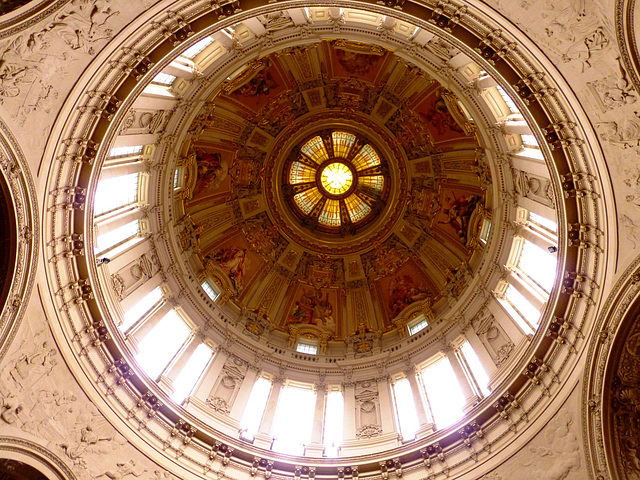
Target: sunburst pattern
336,180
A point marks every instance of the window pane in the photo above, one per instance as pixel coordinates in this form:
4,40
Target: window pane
122,151
315,150
308,199
407,416
530,141
477,370
333,423
195,49
191,372
507,99
513,313
538,264
444,393
330,214
162,343
342,143
294,419
116,192
301,173
136,312
210,291
118,235
164,79
304,348
176,178
522,305
543,222
365,158
357,208
252,415
417,327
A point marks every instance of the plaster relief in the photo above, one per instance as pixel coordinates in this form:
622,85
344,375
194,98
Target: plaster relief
40,399
554,454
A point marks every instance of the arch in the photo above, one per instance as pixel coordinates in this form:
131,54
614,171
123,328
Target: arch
611,393
20,223
32,460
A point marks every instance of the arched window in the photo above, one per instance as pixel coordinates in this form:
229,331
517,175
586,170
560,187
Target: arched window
143,306
444,394
253,412
333,422
116,192
160,345
191,372
406,409
294,418
476,373
117,236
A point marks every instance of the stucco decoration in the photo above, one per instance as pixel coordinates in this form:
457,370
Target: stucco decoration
554,454
14,169
40,400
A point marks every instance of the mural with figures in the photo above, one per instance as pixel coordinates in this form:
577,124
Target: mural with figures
416,241
212,180
236,258
406,286
456,208
317,307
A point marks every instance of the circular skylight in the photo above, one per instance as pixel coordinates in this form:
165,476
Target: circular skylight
336,181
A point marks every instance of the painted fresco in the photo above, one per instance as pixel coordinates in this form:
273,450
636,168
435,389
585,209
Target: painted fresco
314,306
256,89
421,203
406,286
212,172
441,124
237,260
352,61
456,207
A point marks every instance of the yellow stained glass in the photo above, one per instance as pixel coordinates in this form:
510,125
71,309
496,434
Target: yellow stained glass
330,214
308,199
365,158
336,178
342,143
315,150
301,173
372,184
357,208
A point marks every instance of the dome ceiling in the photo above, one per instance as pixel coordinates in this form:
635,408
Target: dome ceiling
344,169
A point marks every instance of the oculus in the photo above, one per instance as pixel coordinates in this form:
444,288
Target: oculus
336,182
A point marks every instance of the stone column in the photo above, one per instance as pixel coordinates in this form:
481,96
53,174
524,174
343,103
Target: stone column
349,390
481,351
272,403
240,403
470,396
318,413
423,418
203,390
387,408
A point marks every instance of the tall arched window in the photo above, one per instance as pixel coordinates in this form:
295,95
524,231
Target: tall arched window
253,412
294,418
160,345
406,409
444,394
